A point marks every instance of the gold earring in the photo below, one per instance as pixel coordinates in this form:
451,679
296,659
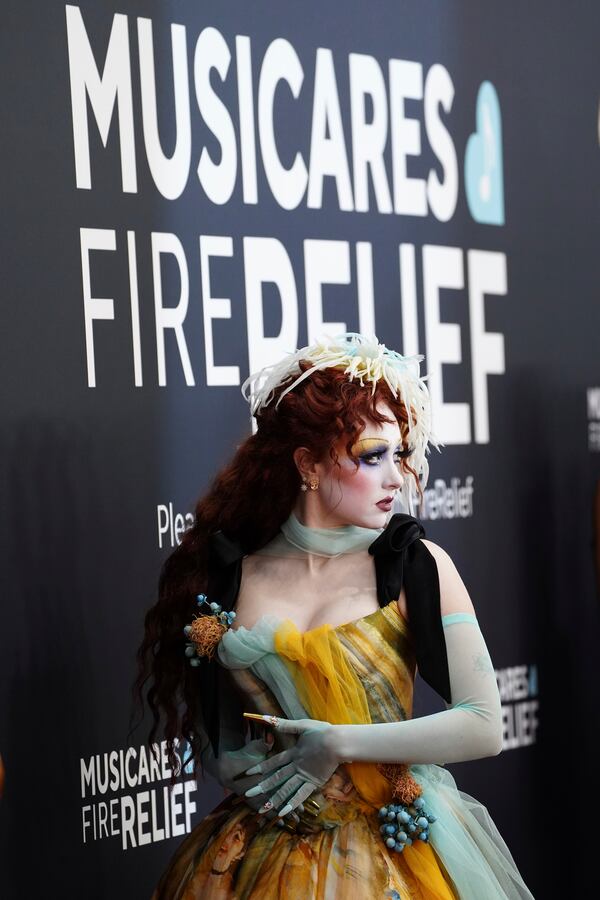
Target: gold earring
314,484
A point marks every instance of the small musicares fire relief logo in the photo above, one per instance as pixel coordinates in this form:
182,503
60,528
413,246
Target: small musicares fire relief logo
137,816
518,686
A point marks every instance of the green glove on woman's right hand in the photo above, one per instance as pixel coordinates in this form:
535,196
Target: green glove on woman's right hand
232,763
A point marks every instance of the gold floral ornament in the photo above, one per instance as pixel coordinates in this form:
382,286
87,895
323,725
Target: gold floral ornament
206,631
404,787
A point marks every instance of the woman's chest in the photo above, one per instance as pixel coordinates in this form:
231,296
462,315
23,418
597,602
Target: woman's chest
309,591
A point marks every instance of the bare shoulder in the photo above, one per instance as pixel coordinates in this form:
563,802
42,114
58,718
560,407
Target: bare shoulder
454,596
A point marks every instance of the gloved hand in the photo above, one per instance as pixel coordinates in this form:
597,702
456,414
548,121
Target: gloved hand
230,764
300,770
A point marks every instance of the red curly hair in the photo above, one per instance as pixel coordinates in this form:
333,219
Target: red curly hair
248,500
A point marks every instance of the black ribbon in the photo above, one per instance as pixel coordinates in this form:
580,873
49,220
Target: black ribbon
224,578
224,551
402,559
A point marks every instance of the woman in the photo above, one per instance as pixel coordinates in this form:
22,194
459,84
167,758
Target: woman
323,606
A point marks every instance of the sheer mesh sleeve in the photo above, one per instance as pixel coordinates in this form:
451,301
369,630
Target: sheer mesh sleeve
469,728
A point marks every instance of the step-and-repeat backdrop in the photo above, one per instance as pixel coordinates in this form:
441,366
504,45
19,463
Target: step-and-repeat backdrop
188,192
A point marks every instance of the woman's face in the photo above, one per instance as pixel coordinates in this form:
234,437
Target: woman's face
349,495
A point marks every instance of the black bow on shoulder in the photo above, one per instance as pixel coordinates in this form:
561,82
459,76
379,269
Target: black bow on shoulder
401,559
400,531
390,552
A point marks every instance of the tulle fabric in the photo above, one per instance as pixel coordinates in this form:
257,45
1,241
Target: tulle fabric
327,542
310,671
467,840
331,691
312,677
245,648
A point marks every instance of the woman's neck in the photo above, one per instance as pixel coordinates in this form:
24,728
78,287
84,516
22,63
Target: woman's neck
332,541
311,516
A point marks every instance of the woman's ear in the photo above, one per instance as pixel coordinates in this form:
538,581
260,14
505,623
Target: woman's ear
304,462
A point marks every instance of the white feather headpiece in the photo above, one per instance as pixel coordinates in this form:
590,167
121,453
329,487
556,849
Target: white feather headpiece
361,357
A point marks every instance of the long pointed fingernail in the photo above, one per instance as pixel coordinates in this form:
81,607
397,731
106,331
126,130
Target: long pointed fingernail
286,809
270,720
253,791
255,770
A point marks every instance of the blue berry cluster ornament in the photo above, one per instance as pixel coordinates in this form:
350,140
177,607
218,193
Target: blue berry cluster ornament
206,630
403,824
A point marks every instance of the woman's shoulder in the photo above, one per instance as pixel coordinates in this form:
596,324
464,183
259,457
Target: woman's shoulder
454,596
266,571
434,548
441,556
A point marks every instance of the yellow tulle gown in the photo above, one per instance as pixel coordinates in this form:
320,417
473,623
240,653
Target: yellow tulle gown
363,672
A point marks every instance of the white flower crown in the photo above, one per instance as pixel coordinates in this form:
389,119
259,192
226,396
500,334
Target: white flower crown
361,357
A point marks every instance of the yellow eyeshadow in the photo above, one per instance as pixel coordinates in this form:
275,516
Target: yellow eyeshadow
366,445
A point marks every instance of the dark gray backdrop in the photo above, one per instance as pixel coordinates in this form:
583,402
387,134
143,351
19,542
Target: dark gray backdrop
86,470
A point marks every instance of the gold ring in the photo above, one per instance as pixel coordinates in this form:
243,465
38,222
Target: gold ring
312,812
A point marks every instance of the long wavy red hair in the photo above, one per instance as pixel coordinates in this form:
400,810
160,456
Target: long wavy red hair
248,500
